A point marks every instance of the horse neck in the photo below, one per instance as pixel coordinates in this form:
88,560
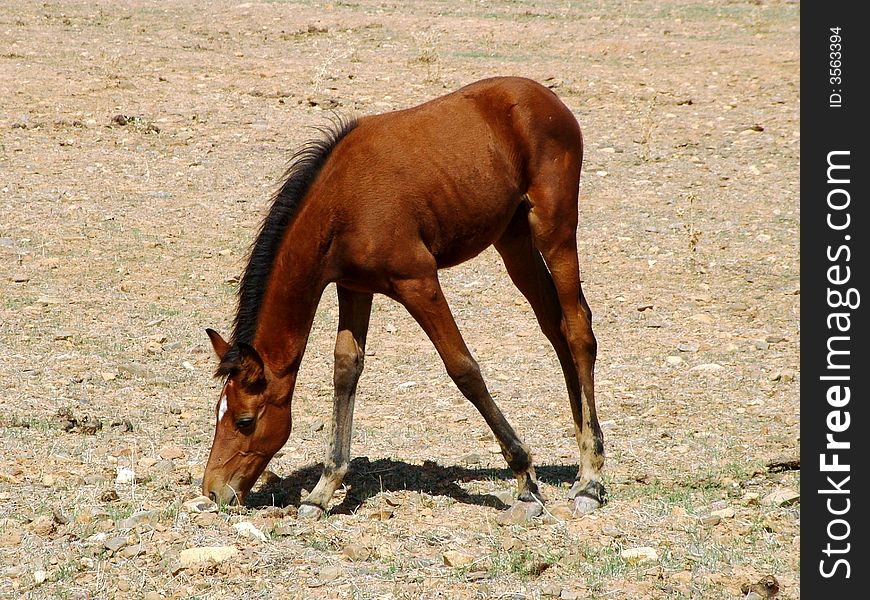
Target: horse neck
292,294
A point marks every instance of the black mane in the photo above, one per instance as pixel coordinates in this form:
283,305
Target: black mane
301,171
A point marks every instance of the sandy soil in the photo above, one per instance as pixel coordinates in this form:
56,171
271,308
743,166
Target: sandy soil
139,145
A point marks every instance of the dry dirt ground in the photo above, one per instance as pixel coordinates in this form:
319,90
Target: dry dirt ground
139,145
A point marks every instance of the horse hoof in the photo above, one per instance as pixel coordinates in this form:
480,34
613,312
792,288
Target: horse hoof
590,489
310,512
520,512
583,505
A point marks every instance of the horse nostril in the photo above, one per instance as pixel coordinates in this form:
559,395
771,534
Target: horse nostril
213,497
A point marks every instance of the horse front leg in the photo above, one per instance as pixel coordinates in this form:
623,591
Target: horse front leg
354,310
425,301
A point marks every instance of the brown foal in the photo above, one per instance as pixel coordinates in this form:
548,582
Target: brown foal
378,205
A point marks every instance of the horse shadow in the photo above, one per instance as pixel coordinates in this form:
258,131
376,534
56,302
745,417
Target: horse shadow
367,478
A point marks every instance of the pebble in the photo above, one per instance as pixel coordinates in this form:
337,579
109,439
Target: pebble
640,555
708,367
116,543
125,476
551,589
760,345
610,531
711,520
329,573
688,347
171,452
506,497
40,576
132,551
561,512
205,554
781,497
455,558
724,513
200,504
673,360
519,513
43,526
249,530
471,458
356,553
141,518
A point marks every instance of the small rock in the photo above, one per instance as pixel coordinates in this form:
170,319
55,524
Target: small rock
708,367
171,452
760,345
206,554
561,512
130,552
610,531
147,518
787,375
10,538
551,589
506,497
774,339
711,520
511,543
781,497
329,573
683,577
472,458
688,347
19,278
519,513
356,553
249,530
640,555
116,543
643,307
40,576
724,513
455,558
164,466
384,514
673,360
570,595
284,528
200,504
58,517
125,476
43,526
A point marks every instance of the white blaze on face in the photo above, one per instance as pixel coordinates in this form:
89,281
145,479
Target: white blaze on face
223,408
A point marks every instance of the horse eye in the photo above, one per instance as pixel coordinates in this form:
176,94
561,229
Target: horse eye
244,422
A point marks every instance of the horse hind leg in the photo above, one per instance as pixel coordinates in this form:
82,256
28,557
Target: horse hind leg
353,323
552,223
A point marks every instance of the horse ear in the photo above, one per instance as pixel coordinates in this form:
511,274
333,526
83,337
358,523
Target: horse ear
250,365
221,347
